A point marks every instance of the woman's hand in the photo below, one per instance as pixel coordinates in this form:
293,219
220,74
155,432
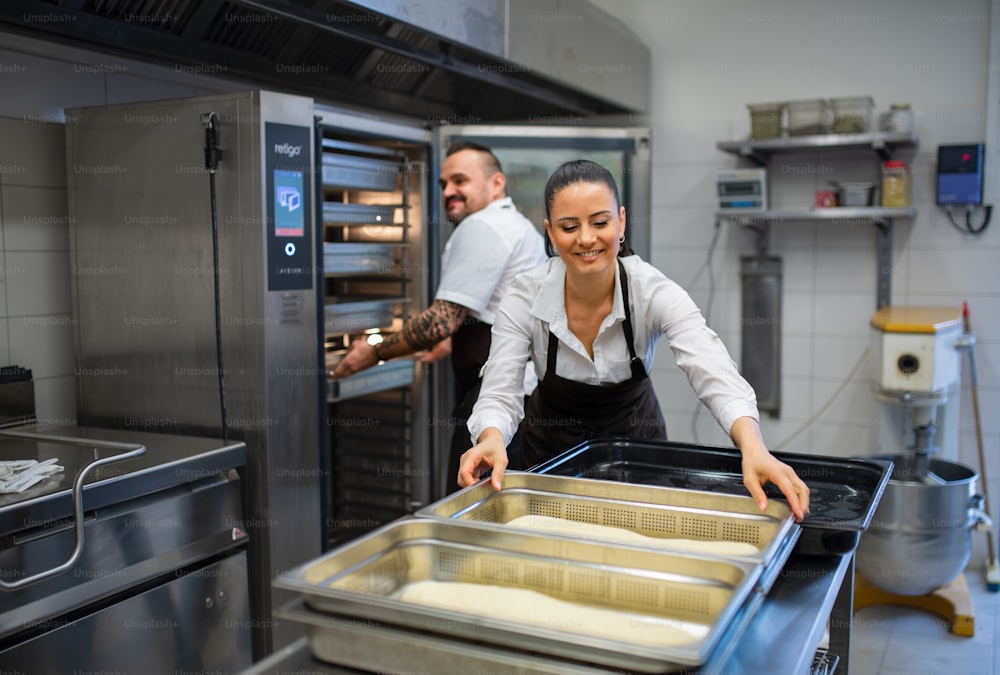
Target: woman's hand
489,453
760,467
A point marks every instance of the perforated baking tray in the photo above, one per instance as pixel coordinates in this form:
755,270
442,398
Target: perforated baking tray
639,587
844,492
659,514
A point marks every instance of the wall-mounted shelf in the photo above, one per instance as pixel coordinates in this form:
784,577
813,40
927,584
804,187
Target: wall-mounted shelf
843,214
760,150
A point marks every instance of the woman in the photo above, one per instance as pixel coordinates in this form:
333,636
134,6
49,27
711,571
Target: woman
589,320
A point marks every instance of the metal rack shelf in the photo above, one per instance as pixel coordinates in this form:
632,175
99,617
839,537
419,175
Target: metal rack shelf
843,214
760,150
883,143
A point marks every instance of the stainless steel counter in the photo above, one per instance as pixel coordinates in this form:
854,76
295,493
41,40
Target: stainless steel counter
169,460
785,631
153,573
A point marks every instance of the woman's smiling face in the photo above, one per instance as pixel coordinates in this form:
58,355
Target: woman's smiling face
585,226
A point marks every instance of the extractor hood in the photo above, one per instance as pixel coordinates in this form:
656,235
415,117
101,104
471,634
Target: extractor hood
442,60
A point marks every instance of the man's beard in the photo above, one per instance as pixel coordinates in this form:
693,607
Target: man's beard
459,216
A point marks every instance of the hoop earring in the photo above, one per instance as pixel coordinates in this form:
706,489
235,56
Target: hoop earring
621,239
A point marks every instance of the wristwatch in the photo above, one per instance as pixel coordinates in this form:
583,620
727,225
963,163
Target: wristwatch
378,357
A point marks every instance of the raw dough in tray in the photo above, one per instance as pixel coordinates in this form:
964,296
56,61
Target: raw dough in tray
525,606
592,531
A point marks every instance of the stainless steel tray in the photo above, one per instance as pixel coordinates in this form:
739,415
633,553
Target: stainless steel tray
364,578
663,513
362,173
844,492
359,258
373,647
388,375
357,314
336,213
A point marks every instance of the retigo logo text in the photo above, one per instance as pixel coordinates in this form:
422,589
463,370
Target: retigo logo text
288,149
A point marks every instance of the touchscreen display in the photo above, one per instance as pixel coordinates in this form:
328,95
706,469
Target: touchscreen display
289,212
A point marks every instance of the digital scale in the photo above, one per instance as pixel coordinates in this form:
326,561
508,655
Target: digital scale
742,190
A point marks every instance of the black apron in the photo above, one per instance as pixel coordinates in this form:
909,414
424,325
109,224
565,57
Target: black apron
470,348
563,413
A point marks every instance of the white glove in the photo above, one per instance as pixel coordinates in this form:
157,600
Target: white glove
18,475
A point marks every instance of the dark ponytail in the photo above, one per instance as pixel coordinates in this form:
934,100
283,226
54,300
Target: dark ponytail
580,171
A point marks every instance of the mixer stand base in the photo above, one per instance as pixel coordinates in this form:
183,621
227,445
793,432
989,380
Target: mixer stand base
951,602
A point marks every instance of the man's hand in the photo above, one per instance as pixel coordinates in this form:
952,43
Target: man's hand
435,353
360,356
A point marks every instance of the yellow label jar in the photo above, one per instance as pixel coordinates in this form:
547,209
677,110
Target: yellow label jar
895,183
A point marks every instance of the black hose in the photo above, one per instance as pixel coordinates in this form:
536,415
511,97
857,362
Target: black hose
212,154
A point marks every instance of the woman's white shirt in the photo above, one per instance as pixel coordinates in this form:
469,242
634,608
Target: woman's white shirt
535,305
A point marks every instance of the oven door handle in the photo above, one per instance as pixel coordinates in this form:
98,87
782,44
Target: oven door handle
130,450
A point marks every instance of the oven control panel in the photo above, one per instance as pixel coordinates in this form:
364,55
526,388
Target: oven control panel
288,175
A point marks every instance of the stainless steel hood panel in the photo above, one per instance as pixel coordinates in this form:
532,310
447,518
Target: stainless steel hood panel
570,41
435,59
482,23
579,44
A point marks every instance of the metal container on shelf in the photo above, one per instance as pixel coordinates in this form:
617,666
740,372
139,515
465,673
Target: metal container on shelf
855,194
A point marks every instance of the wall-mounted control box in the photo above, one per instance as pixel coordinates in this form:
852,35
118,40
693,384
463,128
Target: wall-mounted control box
960,174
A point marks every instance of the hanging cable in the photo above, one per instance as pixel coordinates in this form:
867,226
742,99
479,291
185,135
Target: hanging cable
212,155
968,227
823,408
708,306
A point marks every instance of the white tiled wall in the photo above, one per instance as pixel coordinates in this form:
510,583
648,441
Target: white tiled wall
38,82
712,57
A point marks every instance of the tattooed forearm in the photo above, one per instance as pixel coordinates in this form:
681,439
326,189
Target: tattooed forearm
436,323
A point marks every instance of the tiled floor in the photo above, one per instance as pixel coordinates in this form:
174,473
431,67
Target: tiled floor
891,640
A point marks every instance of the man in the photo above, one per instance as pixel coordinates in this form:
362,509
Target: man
491,244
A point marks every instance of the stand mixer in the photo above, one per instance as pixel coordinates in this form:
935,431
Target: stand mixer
916,366
920,538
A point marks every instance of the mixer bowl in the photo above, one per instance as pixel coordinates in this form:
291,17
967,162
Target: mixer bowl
920,537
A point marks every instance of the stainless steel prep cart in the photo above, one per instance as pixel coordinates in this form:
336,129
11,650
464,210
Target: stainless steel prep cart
815,584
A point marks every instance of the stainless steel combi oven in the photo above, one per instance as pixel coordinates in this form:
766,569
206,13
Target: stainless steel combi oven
322,226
